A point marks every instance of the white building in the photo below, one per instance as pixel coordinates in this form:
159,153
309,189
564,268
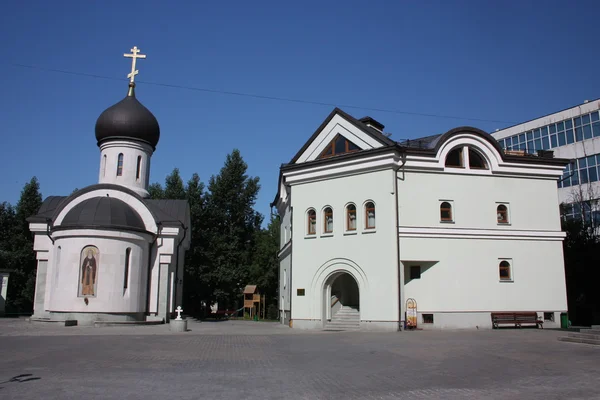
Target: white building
449,221
572,134
107,252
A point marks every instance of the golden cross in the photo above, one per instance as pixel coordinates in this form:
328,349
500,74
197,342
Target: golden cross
134,57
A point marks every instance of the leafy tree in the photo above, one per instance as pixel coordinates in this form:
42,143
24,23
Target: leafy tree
156,191
22,280
264,271
231,225
174,186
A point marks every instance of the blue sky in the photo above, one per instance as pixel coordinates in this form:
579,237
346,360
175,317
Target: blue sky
491,64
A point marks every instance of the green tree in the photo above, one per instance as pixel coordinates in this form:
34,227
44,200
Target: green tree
231,225
265,265
174,189
156,191
22,280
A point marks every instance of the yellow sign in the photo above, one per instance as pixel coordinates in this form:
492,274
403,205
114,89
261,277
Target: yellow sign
411,313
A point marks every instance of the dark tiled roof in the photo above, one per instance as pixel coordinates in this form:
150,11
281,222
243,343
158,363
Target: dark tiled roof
169,211
427,142
103,212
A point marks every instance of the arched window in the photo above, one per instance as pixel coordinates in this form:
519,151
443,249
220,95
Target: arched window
505,273
351,217
312,222
476,161
120,164
127,262
104,165
502,214
138,168
446,211
370,215
455,158
328,220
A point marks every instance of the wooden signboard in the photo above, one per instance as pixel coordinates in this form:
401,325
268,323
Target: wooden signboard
411,313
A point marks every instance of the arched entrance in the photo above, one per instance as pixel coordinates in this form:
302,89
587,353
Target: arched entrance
341,302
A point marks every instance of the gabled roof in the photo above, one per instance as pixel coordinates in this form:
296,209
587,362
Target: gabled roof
372,132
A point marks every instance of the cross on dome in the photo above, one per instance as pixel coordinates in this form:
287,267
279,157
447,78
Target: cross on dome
134,56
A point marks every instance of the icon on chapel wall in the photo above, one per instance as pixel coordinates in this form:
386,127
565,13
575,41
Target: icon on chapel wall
88,271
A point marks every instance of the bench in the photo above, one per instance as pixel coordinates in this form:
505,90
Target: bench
516,318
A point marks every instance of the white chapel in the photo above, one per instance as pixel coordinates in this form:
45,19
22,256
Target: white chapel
433,233
107,252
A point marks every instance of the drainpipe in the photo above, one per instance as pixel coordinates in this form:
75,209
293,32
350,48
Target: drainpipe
177,258
149,282
48,223
398,263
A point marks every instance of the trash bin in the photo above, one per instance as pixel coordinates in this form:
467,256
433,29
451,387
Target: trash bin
564,320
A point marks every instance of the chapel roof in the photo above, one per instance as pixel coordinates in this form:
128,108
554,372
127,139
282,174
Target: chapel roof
166,212
128,119
103,212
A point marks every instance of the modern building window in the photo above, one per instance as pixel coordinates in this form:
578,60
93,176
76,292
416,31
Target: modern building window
328,220
138,168
476,161
351,217
370,215
455,158
446,212
586,170
127,262
415,272
120,164
502,214
505,271
339,145
312,222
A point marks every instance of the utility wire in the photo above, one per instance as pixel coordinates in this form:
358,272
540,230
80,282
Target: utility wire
258,96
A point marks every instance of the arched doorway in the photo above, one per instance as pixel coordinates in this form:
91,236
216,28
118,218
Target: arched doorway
341,302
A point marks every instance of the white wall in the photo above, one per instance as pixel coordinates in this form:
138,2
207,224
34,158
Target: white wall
63,276
285,275
370,256
131,150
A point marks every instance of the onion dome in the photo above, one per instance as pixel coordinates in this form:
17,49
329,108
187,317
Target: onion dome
103,213
128,119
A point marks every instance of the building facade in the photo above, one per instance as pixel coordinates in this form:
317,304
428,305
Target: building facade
446,223
107,252
573,134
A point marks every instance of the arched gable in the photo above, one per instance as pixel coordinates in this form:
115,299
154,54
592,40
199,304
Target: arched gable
102,190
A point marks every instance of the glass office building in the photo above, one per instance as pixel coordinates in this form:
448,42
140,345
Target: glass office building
574,134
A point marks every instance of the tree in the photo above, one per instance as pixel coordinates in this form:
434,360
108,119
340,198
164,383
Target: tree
22,280
174,186
265,265
231,225
156,191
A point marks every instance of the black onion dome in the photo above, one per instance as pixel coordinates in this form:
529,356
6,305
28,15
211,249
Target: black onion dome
128,119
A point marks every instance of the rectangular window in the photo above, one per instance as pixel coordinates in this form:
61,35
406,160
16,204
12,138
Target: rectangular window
585,119
415,272
570,137
553,141
127,262
549,316
587,132
300,292
427,318
545,143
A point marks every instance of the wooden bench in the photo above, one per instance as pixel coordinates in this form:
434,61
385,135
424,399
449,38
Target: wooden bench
516,318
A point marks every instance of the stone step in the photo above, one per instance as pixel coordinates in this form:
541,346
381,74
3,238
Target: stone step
585,335
346,316
579,340
593,331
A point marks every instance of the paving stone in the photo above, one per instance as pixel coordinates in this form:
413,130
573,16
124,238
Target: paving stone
244,359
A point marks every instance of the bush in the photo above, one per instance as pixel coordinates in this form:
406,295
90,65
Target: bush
272,312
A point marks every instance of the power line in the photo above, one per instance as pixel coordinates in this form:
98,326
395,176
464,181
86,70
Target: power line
258,96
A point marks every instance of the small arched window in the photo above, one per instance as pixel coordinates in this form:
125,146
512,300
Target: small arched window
446,211
502,214
370,215
328,220
104,165
138,168
120,164
351,217
312,222
505,273
476,161
127,262
455,158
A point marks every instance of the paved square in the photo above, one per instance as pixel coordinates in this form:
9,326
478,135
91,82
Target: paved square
257,360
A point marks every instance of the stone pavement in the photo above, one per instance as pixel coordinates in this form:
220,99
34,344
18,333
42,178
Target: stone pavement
258,360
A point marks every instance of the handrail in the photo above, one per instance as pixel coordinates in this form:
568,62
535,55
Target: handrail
334,301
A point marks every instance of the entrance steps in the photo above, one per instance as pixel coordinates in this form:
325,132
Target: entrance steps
587,336
346,319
